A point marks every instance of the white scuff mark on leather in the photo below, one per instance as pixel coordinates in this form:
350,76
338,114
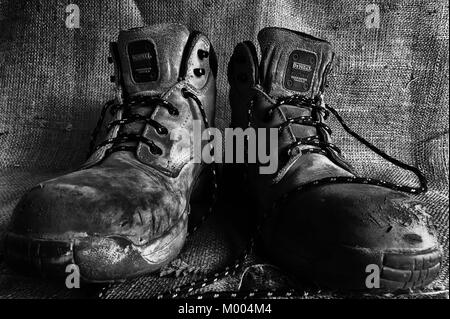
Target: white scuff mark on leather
161,249
108,249
415,207
85,190
64,236
76,234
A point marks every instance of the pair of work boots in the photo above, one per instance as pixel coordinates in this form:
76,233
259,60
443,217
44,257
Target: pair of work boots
125,212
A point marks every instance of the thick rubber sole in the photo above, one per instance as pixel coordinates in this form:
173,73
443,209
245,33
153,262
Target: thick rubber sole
99,259
354,268
368,269
400,271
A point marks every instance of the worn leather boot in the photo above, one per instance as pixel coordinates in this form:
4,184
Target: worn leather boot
125,211
321,220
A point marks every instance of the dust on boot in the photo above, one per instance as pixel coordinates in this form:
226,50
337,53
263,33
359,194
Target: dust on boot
322,221
125,211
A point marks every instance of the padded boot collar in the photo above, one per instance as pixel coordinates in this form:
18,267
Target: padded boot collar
293,62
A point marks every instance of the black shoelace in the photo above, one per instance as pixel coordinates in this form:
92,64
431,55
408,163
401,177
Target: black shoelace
145,101
315,140
151,102
324,147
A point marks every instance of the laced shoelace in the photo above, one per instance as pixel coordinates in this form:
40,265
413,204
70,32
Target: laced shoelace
113,107
323,147
314,105
147,101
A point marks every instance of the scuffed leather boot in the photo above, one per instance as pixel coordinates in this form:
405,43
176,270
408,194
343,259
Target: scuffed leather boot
323,222
125,212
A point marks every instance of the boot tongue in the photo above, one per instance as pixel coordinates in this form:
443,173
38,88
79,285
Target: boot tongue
150,57
293,62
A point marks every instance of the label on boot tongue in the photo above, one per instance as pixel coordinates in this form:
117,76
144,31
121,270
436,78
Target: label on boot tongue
300,71
144,66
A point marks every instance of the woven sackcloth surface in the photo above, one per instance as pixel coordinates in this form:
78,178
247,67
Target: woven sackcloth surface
390,84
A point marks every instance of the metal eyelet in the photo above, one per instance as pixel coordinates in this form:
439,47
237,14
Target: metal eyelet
202,54
155,150
184,93
162,130
174,112
199,72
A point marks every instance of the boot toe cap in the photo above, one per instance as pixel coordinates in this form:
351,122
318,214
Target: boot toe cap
335,231
365,216
111,223
101,202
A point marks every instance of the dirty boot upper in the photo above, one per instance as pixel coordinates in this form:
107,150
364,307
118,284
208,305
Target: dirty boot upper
321,220
125,211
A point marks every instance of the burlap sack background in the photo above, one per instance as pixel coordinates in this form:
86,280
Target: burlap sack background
390,84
